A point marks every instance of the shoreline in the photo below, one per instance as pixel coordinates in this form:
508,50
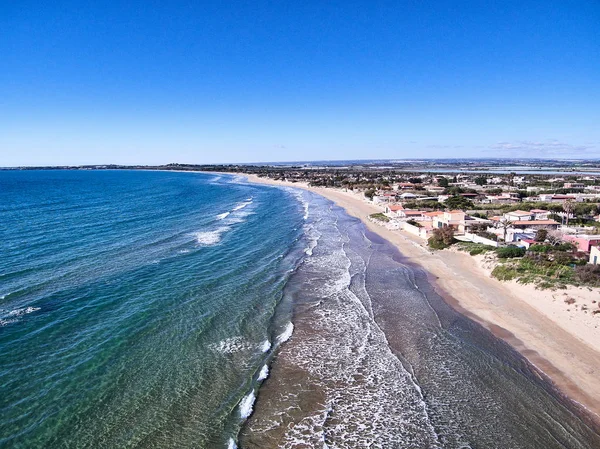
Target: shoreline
568,359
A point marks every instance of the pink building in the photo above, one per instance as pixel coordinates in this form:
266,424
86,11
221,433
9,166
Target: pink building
583,242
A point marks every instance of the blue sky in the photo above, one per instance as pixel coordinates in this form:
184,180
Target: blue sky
220,81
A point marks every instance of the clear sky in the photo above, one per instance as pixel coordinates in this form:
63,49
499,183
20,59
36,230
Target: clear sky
240,81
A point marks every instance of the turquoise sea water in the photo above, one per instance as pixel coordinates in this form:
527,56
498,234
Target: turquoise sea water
137,308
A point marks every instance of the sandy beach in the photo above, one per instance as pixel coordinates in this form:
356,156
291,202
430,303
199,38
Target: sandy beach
556,334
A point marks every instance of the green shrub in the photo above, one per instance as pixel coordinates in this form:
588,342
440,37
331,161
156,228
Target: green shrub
509,252
504,272
441,238
379,216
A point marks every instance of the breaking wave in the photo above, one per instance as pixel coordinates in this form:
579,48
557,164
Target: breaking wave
264,373
286,334
266,345
246,405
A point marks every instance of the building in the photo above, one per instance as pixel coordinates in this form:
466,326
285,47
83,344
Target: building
536,224
407,196
540,214
555,198
595,255
386,197
406,186
452,218
574,185
519,215
429,216
393,209
410,214
583,242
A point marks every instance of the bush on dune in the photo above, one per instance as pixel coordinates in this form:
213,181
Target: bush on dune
510,252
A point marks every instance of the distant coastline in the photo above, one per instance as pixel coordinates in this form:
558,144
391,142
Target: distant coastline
518,166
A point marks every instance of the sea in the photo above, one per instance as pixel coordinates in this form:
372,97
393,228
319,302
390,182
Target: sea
147,309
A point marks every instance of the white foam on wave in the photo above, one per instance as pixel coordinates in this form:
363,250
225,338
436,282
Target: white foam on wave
210,238
242,204
312,244
287,333
246,405
24,311
230,345
266,345
264,373
223,215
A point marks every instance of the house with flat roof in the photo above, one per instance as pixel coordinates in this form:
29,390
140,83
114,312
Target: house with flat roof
574,185
518,215
452,218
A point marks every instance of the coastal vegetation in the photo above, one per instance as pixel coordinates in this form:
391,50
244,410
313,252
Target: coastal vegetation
546,266
441,238
380,217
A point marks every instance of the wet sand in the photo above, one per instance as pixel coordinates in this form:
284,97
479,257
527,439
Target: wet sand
568,354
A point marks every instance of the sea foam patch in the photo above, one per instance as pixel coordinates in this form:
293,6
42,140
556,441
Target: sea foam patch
210,238
247,405
286,334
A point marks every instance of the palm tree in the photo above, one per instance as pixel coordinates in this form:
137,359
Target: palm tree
568,208
505,224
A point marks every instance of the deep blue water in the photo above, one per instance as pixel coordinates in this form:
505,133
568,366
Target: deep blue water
137,308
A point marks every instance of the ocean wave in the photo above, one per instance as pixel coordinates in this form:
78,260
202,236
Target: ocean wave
264,373
247,405
222,216
286,334
210,238
24,311
243,204
265,346
5,322
231,345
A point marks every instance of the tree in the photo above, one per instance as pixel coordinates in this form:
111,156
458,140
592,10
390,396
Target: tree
441,238
505,224
459,202
443,182
541,235
454,190
370,194
481,180
554,238
568,208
